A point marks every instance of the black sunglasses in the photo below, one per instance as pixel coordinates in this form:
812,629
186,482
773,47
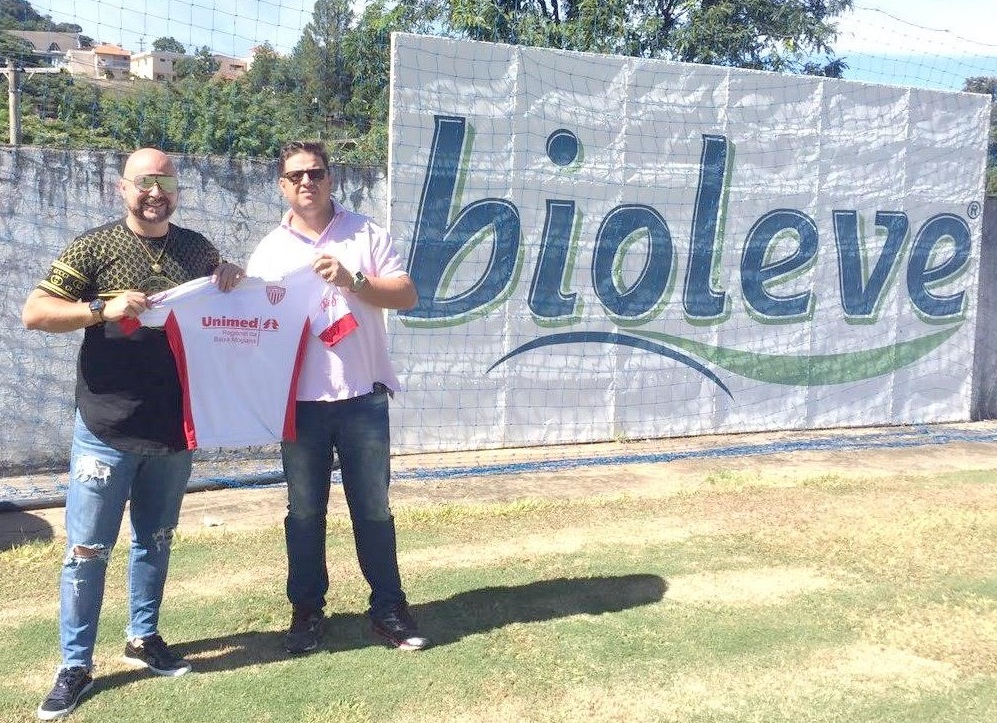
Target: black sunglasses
315,174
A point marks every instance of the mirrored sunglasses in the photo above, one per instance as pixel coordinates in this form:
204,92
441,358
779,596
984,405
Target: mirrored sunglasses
315,174
145,182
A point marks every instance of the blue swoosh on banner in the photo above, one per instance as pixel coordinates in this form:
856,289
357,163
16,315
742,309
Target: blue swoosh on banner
604,337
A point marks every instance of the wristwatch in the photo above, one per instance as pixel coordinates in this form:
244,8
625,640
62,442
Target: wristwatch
359,282
97,307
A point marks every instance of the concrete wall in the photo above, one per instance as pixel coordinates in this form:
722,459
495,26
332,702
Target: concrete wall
46,198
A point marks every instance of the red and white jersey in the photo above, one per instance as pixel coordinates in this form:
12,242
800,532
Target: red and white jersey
239,353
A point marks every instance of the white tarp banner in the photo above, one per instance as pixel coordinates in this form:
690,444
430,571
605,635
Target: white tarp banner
618,248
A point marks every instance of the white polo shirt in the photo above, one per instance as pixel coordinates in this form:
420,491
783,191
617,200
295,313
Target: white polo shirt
353,366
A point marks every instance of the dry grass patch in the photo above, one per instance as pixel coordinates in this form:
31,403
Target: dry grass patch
964,636
222,583
757,586
910,529
795,691
884,668
565,541
19,612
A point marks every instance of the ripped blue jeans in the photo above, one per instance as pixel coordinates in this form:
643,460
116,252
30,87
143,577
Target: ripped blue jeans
101,481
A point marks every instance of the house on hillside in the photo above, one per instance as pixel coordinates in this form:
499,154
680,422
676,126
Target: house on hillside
155,64
113,61
230,68
101,61
50,48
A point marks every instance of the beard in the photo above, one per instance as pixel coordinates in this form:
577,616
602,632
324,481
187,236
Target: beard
152,210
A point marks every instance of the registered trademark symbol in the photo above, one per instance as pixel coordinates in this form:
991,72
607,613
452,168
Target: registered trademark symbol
974,209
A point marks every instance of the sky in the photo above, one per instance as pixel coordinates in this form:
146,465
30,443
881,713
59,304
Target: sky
229,27
927,43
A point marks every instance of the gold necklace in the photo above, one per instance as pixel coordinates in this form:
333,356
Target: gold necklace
156,261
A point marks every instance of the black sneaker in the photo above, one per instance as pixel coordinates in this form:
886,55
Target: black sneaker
305,632
71,684
154,654
398,628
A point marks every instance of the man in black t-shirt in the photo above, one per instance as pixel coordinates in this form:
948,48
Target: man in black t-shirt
128,440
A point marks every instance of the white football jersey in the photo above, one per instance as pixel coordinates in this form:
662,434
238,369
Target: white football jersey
239,353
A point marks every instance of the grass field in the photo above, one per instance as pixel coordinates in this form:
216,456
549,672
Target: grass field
735,596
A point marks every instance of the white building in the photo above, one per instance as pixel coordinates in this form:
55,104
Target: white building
155,64
101,61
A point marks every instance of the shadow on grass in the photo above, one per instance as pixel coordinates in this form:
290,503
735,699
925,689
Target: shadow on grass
490,608
444,621
18,528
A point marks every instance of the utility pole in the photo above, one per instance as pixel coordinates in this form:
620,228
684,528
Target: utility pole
13,102
13,74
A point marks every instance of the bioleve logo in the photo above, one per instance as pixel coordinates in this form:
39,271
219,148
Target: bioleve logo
938,254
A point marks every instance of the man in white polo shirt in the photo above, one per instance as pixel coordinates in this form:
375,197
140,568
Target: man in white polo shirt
342,400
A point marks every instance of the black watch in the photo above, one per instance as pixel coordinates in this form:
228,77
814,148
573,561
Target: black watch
359,282
97,307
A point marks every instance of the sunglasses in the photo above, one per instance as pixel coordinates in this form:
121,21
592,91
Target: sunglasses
145,182
315,174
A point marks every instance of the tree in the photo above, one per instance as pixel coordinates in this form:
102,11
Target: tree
325,81
15,49
200,67
368,103
270,72
58,96
335,83
202,118
169,45
779,35
18,15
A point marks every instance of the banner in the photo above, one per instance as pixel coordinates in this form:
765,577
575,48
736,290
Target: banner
611,248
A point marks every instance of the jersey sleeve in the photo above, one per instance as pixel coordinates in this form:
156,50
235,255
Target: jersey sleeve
333,321
329,315
164,303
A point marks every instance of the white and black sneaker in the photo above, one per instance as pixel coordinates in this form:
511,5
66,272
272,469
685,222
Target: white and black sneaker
71,684
153,653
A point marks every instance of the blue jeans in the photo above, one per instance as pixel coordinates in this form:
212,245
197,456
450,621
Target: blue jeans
357,429
101,480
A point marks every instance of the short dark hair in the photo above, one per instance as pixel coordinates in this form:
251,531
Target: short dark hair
294,147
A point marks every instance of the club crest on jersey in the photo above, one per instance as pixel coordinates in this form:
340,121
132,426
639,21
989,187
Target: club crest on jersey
275,294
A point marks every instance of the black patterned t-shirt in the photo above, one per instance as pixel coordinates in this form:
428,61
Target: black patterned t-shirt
127,389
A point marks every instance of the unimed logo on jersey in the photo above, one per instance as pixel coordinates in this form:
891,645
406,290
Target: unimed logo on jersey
230,322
